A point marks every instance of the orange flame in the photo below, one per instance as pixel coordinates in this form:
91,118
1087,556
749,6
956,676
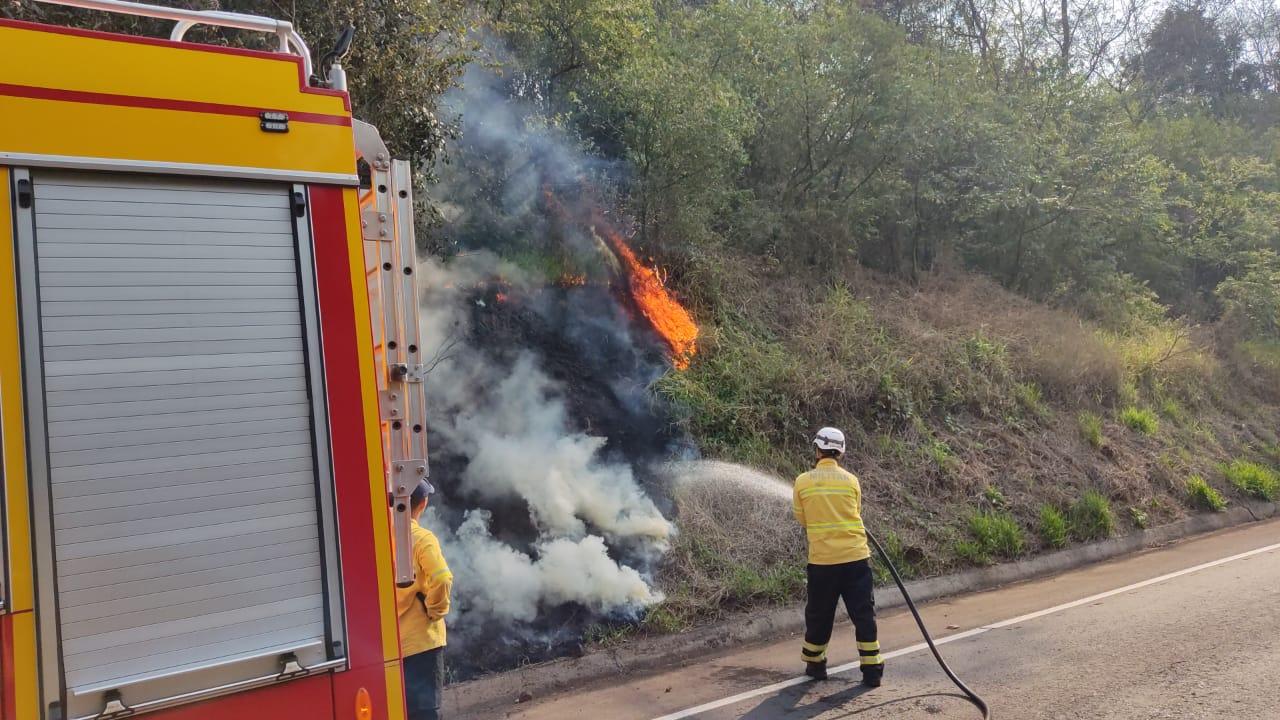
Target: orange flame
664,313
667,316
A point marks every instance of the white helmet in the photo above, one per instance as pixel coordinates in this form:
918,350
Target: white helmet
829,438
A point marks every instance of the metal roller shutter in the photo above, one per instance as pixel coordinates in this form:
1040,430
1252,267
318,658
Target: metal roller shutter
182,450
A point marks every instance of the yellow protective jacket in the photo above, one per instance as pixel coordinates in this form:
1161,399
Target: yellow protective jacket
422,622
827,501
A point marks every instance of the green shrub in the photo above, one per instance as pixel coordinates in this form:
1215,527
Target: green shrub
897,551
1091,429
1139,420
995,496
1139,518
1053,526
1252,478
1172,410
939,453
1031,399
1203,495
996,534
1091,517
972,552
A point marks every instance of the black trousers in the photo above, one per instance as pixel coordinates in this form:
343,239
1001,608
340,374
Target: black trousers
828,584
424,684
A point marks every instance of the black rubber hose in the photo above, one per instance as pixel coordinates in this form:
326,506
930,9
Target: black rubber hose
973,696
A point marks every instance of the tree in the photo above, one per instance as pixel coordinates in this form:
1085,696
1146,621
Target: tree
1190,61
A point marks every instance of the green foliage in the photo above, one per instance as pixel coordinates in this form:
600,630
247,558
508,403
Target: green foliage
1090,517
939,454
662,618
1252,299
994,496
608,634
1202,495
1031,399
897,551
1139,420
1254,479
1091,428
1053,526
1139,517
774,585
994,534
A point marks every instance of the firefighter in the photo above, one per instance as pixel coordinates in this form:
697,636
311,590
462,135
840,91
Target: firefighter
422,607
827,501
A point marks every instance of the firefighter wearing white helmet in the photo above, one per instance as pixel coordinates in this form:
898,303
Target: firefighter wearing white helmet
827,501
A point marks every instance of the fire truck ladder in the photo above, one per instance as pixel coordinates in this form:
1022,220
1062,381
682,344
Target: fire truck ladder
390,252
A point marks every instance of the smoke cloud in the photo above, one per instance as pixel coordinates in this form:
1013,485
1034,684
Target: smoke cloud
544,431
509,424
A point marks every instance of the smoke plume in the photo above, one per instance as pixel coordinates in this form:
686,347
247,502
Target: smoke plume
542,424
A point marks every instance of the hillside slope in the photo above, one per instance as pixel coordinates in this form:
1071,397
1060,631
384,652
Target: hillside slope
984,426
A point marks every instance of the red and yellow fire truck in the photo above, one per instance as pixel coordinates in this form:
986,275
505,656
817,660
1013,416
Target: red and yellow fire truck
210,397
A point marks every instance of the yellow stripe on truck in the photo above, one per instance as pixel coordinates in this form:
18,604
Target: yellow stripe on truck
395,690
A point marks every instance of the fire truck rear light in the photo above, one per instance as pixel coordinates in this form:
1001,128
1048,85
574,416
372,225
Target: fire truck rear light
364,706
271,121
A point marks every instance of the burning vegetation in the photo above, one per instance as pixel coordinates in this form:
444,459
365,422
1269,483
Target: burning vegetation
668,318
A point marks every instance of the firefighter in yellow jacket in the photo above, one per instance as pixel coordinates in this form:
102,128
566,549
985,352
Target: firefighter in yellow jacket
827,501
422,607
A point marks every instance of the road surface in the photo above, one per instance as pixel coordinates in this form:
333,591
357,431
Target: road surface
1188,631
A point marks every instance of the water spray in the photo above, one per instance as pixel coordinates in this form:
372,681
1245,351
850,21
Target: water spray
970,694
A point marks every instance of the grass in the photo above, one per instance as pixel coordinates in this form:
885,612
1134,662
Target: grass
1202,495
1090,517
773,585
940,455
1031,398
993,534
1053,526
607,634
897,551
994,496
1139,517
662,619
1140,420
1253,479
1091,429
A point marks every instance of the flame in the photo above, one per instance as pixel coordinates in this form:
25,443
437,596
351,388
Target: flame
665,314
668,318
568,280
500,297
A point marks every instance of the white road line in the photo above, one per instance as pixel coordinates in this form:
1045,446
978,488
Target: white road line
775,687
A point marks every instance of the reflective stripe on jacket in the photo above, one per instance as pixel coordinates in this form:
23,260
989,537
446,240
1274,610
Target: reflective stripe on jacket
827,501
422,620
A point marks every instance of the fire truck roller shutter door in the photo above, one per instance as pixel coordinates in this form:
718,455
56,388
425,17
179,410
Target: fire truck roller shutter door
187,473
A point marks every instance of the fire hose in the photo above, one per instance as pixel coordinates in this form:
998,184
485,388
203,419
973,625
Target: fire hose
971,695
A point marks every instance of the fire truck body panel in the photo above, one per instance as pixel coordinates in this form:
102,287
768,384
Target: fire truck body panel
150,200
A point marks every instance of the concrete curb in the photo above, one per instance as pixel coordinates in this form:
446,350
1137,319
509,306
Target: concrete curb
490,696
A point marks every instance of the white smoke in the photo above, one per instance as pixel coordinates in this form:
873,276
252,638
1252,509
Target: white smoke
511,423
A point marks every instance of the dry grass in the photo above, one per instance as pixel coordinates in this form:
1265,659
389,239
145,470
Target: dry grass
737,546
944,389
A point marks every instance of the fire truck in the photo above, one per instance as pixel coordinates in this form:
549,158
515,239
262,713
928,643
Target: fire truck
211,406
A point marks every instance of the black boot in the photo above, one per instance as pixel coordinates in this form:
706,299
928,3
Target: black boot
816,670
871,675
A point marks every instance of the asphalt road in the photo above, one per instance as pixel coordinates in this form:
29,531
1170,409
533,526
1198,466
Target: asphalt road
1202,644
